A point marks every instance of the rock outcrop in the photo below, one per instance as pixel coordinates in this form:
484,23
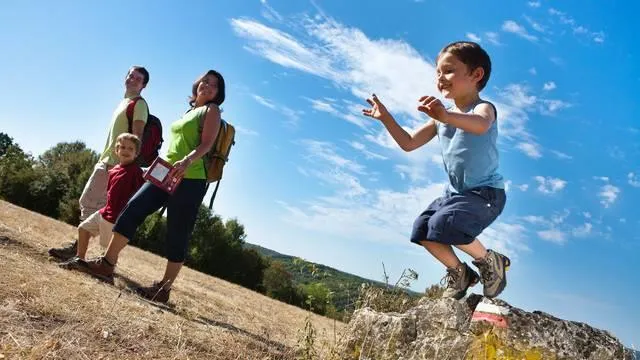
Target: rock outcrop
445,329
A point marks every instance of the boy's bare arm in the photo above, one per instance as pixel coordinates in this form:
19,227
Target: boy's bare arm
406,141
477,123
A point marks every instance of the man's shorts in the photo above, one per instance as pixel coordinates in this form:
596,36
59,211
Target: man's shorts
96,225
458,218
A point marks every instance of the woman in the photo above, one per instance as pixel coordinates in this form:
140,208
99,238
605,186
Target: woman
187,146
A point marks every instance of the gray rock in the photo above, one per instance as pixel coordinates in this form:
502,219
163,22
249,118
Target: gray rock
443,329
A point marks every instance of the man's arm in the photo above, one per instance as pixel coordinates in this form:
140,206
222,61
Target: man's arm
140,114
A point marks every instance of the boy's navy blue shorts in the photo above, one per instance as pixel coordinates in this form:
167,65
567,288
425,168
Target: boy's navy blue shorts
458,218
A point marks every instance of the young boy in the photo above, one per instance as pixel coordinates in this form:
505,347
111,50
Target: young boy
124,180
475,196
94,195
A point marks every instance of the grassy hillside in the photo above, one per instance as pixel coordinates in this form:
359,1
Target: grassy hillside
345,286
47,312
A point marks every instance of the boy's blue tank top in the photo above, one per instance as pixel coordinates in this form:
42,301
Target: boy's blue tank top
470,160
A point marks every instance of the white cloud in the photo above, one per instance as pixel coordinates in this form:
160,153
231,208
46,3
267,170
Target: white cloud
380,216
473,37
327,106
367,153
533,71
270,13
553,235
561,155
535,25
587,215
583,230
292,116
532,150
549,86
518,96
559,218
493,38
608,195
634,179
534,4
244,131
579,30
513,27
601,178
523,187
550,185
508,239
551,106
536,220
623,220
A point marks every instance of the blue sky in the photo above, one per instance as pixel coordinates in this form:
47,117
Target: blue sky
309,176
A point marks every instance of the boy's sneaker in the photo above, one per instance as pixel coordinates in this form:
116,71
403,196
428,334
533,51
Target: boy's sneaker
493,272
66,252
458,280
75,263
155,292
100,268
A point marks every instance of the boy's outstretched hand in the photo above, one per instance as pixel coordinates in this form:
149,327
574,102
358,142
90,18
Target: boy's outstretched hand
378,110
433,108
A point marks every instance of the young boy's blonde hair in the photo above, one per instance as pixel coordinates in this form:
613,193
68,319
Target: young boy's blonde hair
130,137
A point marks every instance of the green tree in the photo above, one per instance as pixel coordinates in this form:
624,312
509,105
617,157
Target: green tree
278,283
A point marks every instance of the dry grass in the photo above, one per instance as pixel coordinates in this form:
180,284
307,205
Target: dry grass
50,313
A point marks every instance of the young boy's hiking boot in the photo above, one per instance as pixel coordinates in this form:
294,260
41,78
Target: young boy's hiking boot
458,280
155,292
100,268
493,272
66,252
75,263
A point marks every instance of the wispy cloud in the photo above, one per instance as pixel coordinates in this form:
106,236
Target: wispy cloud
553,235
493,37
330,106
367,153
577,29
533,71
245,131
473,37
549,86
531,149
634,179
534,4
608,195
515,28
535,25
583,231
550,185
560,155
292,116
270,13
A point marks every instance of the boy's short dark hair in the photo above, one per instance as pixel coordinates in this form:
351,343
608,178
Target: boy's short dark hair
472,55
143,71
130,137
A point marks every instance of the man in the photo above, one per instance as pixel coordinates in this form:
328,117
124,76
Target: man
94,195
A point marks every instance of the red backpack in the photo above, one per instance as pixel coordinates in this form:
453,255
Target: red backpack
151,136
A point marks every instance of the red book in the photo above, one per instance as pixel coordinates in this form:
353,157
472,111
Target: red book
160,173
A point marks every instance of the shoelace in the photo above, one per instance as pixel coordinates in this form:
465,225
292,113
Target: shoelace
485,270
450,279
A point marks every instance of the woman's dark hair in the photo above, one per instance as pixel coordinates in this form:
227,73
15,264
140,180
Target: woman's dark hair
472,55
219,99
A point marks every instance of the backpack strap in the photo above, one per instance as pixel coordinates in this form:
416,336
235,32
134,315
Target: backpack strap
130,108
